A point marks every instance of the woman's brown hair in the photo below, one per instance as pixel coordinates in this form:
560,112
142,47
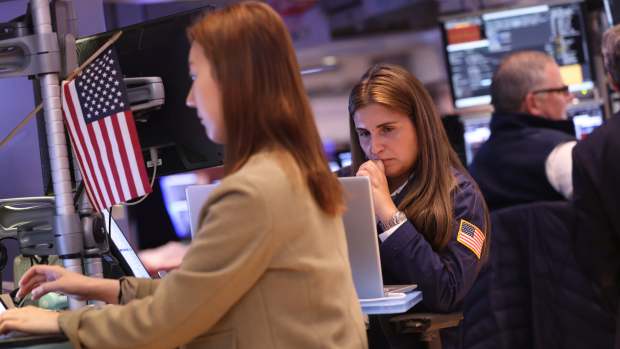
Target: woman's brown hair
263,99
428,202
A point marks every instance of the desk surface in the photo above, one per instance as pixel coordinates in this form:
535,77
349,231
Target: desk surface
391,305
64,345
387,305
36,342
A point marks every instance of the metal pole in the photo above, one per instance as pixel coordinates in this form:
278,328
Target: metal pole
68,232
93,263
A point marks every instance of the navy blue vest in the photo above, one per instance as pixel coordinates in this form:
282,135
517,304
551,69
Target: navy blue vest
510,166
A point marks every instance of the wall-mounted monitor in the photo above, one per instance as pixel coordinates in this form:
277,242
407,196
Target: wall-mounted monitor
475,44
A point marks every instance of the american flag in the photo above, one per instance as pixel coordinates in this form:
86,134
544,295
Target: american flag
103,133
471,237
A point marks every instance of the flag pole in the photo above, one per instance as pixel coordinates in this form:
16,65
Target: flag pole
103,47
21,124
71,76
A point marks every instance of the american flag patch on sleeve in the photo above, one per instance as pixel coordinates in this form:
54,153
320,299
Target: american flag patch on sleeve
471,237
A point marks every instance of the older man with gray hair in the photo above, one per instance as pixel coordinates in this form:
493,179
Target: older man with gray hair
527,158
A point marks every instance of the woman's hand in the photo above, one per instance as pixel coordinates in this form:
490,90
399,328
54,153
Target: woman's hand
382,201
41,279
164,258
29,320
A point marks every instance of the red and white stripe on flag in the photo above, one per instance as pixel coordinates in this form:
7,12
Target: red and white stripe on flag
106,146
471,236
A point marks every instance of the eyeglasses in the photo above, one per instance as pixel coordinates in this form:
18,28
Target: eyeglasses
563,90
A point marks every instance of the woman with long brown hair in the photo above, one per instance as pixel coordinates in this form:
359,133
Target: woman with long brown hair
268,267
433,219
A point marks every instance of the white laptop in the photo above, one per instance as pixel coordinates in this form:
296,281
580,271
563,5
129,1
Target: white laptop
363,242
361,233
197,195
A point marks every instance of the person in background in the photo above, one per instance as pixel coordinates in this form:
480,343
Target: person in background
596,171
527,158
553,277
268,267
433,219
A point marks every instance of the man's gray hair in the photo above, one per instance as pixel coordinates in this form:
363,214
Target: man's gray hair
517,75
611,52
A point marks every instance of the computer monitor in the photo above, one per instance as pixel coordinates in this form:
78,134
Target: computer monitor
344,158
173,192
159,48
586,118
476,43
612,11
477,131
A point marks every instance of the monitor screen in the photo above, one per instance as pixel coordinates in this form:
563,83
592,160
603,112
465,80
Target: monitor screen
475,44
477,131
586,118
612,11
175,200
344,158
159,48
173,190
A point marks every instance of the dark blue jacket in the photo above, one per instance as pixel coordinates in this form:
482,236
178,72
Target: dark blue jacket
510,166
596,198
553,276
533,293
445,276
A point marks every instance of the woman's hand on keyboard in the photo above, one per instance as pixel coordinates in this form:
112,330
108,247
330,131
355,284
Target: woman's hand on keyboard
41,279
29,320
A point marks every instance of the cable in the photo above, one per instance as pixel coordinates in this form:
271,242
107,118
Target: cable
109,227
78,192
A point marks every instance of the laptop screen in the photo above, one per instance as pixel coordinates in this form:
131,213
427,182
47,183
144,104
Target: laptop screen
361,233
129,257
197,195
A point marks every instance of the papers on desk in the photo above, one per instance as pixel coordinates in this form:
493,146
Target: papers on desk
393,304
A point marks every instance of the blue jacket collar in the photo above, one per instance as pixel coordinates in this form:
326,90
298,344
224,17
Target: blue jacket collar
514,121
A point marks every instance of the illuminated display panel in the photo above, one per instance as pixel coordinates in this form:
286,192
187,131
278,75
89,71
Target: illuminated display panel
476,44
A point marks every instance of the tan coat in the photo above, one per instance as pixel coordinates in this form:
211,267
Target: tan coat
267,269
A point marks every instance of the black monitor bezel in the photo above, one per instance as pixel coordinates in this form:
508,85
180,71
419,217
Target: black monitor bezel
178,159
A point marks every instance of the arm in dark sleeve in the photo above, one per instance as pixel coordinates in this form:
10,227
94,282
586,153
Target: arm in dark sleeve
446,276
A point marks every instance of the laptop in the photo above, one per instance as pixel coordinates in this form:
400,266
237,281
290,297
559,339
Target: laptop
361,234
197,195
129,260
363,242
